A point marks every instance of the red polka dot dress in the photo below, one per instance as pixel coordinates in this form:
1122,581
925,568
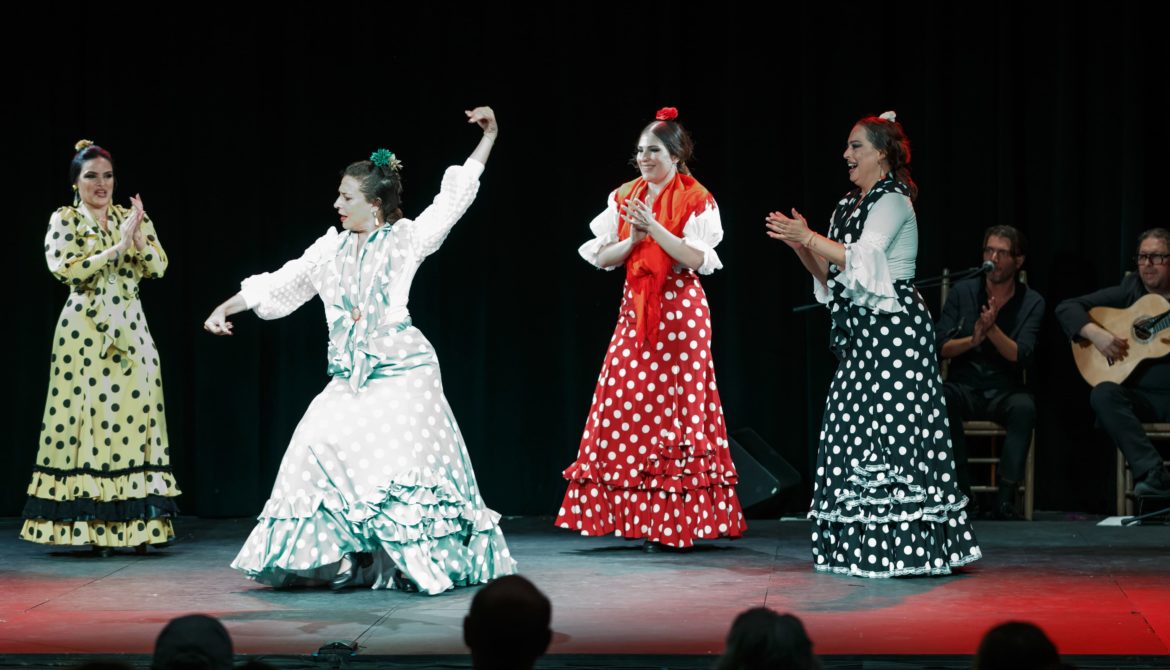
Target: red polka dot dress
654,461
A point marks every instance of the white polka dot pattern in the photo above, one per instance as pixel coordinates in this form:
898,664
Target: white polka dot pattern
377,464
654,460
885,499
382,470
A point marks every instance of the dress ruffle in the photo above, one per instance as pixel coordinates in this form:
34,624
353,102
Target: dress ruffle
654,460
417,516
865,280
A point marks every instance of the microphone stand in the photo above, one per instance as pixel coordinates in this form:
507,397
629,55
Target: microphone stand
928,282
1131,520
935,282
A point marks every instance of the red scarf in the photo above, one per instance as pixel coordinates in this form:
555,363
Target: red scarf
647,264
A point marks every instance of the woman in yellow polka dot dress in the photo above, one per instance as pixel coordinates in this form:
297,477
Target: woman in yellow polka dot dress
102,475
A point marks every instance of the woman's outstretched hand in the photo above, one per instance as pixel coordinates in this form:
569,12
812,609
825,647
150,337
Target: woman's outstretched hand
217,323
485,118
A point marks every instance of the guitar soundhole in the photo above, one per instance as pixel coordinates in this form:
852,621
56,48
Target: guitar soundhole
1142,329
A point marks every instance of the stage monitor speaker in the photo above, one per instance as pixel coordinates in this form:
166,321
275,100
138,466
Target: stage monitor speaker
764,476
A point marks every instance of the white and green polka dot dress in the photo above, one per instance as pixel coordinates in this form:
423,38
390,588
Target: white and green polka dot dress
102,475
378,463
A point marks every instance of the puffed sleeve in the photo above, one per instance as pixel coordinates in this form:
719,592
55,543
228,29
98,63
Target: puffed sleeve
275,294
604,227
151,262
460,184
73,251
866,278
703,232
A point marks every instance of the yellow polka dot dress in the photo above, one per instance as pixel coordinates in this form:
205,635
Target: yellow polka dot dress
102,475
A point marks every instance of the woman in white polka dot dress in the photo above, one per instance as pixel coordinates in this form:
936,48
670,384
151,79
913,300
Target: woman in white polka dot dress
885,501
376,488
654,461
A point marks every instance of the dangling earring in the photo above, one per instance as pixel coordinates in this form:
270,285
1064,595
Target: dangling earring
76,196
374,214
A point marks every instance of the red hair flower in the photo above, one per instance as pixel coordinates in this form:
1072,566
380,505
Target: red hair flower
666,114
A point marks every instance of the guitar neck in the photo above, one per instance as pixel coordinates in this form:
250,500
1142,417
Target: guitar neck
1160,322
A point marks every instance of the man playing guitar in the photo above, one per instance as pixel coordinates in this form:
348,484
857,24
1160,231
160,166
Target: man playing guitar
1145,393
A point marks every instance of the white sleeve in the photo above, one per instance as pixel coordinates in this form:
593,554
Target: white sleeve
703,232
604,227
460,184
866,277
275,294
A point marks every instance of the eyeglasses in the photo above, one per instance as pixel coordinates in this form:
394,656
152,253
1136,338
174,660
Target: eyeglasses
992,252
1152,259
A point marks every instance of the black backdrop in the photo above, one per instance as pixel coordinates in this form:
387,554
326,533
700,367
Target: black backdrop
233,124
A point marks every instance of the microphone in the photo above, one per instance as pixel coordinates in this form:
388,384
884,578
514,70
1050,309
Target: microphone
987,266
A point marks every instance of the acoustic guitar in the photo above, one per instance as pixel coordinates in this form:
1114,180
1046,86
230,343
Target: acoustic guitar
1145,323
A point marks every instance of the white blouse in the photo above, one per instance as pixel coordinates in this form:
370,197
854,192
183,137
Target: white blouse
703,232
885,252
389,260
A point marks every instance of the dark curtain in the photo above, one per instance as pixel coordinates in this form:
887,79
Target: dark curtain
234,125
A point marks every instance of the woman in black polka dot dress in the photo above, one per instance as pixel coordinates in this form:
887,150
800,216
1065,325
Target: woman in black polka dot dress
102,475
885,501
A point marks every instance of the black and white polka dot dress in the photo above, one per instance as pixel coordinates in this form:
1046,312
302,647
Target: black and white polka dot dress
885,499
102,475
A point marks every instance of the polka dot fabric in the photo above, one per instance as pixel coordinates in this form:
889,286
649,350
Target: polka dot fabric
885,498
377,464
102,475
381,470
654,460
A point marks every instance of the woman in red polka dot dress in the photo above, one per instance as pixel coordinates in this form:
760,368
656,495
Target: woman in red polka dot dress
654,460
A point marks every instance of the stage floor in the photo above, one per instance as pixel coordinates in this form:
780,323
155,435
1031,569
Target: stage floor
1098,591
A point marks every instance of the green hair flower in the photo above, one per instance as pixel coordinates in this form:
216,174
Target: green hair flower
385,158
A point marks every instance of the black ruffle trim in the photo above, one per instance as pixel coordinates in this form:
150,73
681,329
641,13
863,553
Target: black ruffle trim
95,472
88,509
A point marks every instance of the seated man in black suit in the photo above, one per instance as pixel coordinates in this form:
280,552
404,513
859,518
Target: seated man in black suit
1145,394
